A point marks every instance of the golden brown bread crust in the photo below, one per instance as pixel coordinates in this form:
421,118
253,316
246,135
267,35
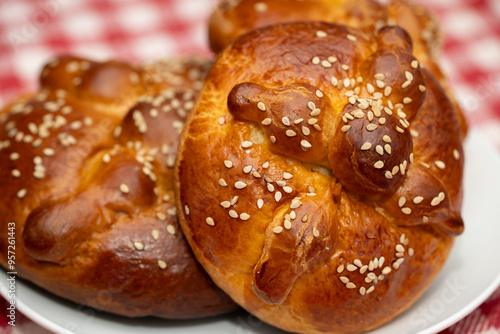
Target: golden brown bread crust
86,171
233,18
327,167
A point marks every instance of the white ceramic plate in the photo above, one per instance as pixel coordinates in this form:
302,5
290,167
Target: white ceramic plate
470,275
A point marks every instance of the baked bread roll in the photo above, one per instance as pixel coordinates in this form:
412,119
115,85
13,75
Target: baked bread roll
232,18
319,176
86,168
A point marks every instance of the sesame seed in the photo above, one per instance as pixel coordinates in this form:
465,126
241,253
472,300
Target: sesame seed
379,76
318,92
386,270
332,60
162,264
240,185
304,219
344,67
326,64
370,88
312,121
411,251
380,83
401,201
321,33
233,214
290,133
343,279
278,229
408,76
422,88
286,121
266,121
362,291
247,169
358,114
260,203
388,175
347,82
277,196
400,248
366,146
223,182
387,90
456,154
379,164
288,224
21,193
411,157
407,100
138,245
345,128
171,229
439,164
124,188
351,37
370,116
395,265
358,263
246,144
425,219
350,285
371,127
287,189
228,163
221,120
225,204
210,221
186,209
315,112
379,150
261,106
295,204
414,64
398,129
388,148
351,267
418,200
273,139
315,60
435,201
161,216
305,144
315,232
340,269
370,289
14,156
244,216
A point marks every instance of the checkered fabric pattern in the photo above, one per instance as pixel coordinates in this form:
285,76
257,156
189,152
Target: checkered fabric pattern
33,31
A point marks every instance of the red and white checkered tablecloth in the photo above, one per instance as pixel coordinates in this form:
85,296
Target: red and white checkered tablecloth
33,31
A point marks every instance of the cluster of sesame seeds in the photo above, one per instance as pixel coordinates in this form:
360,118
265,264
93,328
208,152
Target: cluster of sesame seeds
376,264
35,134
174,71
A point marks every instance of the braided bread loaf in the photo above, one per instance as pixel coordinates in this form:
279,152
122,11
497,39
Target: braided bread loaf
86,171
319,175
